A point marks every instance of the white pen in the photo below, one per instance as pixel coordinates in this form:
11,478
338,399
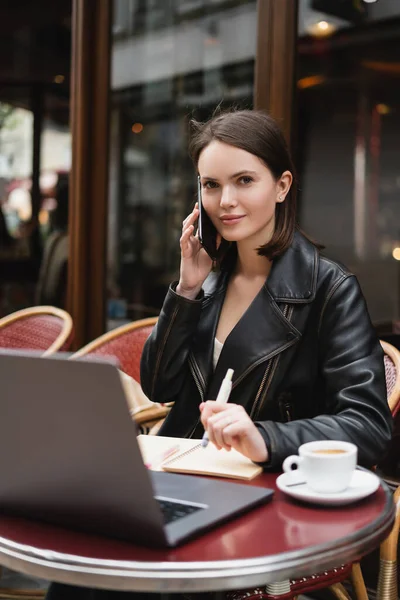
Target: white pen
222,398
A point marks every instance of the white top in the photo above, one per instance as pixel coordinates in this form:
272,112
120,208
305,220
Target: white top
217,351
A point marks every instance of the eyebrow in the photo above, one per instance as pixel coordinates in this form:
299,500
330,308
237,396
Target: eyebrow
245,172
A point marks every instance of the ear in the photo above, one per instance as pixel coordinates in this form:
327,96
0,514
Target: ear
283,185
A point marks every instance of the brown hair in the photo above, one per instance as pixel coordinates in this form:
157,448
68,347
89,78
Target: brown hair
257,133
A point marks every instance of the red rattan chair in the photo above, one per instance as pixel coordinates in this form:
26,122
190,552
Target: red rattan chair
43,328
332,579
392,371
126,344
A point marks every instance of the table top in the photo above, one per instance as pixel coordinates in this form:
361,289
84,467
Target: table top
280,540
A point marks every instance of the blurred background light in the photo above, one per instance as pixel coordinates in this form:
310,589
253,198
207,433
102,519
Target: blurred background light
137,127
396,253
383,109
310,81
322,29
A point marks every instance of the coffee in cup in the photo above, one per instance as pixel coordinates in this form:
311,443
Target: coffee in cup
330,451
326,466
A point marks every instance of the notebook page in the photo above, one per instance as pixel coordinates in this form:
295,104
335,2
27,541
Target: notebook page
153,447
193,459
211,461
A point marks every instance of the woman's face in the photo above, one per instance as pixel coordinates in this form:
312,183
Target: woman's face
239,193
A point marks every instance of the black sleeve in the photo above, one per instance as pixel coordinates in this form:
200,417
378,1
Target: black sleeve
351,362
163,365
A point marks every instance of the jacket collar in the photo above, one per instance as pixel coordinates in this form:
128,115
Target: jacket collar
293,276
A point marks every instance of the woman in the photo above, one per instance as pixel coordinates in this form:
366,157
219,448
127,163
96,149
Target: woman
292,324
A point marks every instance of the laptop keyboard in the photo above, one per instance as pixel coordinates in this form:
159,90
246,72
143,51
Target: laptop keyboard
172,511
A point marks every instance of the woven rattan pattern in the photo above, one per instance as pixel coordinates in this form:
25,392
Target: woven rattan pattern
35,332
127,347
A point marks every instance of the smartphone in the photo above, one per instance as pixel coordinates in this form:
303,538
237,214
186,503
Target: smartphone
207,232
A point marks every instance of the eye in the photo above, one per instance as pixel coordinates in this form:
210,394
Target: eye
210,185
246,179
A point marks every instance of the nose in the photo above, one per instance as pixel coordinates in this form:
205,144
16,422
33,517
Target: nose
228,197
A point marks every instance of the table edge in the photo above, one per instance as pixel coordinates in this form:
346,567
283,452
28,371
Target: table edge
197,576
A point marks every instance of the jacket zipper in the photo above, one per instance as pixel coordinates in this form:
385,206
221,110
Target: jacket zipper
269,373
200,384
267,370
198,377
287,408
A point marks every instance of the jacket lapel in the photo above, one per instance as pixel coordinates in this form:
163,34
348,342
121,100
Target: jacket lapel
264,330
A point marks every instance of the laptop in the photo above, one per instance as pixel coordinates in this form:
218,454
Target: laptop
69,456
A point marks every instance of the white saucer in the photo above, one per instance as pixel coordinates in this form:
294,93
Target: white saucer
362,484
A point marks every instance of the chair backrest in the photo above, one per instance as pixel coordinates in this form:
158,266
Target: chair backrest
125,343
43,328
392,373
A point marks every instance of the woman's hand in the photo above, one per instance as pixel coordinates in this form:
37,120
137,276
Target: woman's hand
195,262
229,426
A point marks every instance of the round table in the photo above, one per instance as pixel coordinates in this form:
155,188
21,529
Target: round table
281,540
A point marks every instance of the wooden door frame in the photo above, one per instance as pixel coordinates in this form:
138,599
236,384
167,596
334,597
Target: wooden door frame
275,67
90,110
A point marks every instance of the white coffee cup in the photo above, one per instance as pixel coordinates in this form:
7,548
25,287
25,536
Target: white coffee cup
326,466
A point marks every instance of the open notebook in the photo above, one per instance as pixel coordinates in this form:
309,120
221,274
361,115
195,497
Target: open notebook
187,456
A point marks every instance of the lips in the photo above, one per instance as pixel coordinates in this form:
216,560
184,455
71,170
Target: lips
231,219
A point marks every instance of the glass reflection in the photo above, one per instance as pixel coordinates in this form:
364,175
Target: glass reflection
35,148
348,141
171,61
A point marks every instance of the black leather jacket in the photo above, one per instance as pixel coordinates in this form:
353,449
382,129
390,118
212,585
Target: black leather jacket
308,365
